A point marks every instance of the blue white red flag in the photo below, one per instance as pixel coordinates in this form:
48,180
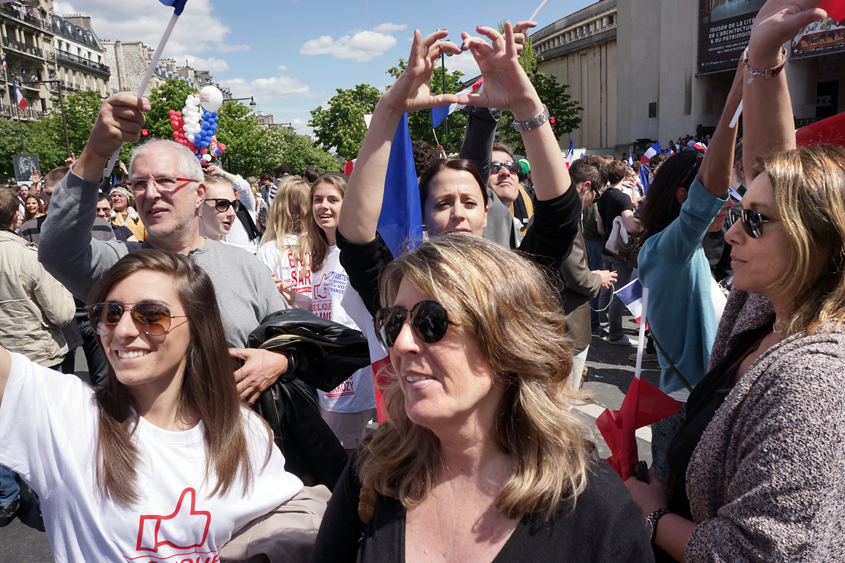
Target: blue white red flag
652,151
630,158
644,176
401,216
441,113
571,155
4,63
21,101
632,296
178,5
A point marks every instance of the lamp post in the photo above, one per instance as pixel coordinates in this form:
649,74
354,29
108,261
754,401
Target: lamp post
251,100
58,84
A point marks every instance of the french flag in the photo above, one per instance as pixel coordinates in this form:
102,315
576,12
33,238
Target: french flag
699,147
652,151
571,156
632,296
178,5
441,113
630,158
20,99
4,63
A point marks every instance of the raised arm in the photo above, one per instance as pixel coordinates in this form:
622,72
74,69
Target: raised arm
768,121
411,92
717,167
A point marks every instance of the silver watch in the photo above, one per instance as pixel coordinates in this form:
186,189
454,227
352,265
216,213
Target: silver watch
523,126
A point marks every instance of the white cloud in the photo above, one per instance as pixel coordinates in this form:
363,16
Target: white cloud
268,90
464,63
388,27
198,31
212,64
282,67
362,47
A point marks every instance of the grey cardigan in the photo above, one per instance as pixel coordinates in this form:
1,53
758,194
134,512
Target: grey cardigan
767,480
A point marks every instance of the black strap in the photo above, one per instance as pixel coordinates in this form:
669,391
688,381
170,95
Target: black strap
246,220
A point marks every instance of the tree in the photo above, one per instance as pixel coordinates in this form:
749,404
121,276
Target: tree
247,151
560,104
419,123
341,125
298,152
169,96
10,144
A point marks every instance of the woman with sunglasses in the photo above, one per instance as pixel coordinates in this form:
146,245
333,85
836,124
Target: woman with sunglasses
348,408
219,210
453,195
482,457
243,230
759,461
164,459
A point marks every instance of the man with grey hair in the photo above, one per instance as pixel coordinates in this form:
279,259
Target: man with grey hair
167,182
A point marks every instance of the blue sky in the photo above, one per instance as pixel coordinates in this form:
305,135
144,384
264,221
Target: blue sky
292,55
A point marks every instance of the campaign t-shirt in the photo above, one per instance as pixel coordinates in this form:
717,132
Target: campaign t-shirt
290,269
48,434
357,393
610,206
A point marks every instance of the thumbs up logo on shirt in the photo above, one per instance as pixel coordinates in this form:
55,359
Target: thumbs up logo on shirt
185,528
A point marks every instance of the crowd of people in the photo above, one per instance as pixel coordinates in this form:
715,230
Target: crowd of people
208,305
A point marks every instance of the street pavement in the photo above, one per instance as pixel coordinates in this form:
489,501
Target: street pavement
610,374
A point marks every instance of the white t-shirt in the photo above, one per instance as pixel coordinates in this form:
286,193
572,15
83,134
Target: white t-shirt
357,393
48,428
290,270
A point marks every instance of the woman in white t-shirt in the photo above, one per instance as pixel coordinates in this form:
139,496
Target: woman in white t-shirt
348,407
162,462
286,245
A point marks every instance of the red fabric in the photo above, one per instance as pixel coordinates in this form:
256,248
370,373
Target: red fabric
835,9
382,371
347,168
644,404
830,131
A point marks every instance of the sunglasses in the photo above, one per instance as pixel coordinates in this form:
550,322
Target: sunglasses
150,318
752,222
429,320
511,167
222,205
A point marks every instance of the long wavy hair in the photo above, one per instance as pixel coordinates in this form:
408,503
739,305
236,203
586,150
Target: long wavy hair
505,303
208,392
808,186
319,242
289,216
661,204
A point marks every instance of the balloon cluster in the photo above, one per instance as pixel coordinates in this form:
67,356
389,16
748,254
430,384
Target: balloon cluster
196,130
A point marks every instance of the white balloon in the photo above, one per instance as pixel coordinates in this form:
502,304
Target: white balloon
206,158
211,98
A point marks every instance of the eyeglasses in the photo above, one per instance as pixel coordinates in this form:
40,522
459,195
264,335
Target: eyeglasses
163,184
752,222
150,318
222,205
429,319
511,167
693,172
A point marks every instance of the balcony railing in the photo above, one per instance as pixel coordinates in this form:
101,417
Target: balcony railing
7,10
23,47
64,55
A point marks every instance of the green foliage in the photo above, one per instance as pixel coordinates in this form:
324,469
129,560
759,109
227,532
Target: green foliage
341,125
10,144
169,96
298,152
419,123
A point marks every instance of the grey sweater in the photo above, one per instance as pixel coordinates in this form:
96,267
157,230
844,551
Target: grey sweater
245,290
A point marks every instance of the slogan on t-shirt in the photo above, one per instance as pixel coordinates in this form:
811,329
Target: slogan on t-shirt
331,283
345,389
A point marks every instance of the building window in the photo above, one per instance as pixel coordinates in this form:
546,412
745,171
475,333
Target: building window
577,33
610,20
652,110
604,22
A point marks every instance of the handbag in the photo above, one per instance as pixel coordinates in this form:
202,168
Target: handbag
621,244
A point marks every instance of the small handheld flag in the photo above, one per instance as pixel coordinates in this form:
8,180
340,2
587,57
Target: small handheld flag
652,151
441,113
630,158
571,156
178,5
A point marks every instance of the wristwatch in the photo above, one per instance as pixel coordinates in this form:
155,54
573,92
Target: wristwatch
769,72
650,522
523,126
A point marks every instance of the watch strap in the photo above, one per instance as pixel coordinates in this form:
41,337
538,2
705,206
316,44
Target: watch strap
523,126
651,520
769,72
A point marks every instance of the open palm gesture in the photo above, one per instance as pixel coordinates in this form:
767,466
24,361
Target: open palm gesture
777,22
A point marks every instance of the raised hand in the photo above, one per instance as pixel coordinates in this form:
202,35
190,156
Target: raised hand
777,22
412,91
506,86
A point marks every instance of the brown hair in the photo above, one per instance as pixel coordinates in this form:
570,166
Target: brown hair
458,164
26,215
208,392
616,172
502,147
506,304
808,186
8,207
319,242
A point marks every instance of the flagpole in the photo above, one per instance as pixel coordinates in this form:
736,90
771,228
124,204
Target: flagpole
537,11
143,87
641,342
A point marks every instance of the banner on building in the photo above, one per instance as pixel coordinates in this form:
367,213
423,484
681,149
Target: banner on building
724,28
819,38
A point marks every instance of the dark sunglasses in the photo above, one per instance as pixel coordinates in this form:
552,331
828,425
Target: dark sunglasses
511,167
752,222
222,205
429,320
150,318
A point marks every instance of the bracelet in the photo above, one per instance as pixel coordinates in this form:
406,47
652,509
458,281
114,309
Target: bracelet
769,72
523,126
650,522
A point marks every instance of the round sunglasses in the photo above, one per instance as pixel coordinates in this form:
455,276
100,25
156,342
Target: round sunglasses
222,205
429,320
752,222
150,318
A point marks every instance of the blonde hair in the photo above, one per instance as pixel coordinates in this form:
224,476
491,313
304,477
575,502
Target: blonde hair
288,216
808,186
319,242
504,302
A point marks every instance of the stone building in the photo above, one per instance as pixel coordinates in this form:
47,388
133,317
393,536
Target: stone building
27,37
80,55
264,118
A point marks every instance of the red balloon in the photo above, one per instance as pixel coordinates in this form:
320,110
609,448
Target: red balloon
203,150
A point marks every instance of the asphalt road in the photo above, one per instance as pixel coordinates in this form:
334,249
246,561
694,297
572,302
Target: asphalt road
610,374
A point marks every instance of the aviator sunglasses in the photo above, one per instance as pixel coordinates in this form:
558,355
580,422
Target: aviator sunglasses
752,222
150,318
222,205
429,320
511,167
